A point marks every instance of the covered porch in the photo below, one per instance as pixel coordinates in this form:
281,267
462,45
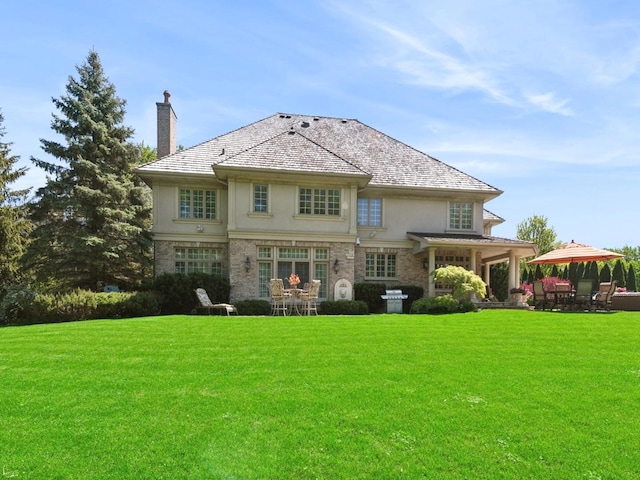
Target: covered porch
471,251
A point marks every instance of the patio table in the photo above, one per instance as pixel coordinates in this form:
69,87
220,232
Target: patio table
294,295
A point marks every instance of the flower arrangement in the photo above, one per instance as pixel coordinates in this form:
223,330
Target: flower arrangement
294,280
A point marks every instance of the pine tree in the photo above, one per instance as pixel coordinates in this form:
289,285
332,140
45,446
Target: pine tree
14,226
93,214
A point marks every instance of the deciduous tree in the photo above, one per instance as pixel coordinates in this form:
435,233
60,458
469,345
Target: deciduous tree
536,230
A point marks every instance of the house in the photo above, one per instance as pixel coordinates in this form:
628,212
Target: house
327,198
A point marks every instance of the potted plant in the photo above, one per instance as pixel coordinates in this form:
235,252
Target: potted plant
517,294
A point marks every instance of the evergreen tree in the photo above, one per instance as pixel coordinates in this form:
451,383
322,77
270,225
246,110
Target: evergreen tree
605,273
14,226
618,274
593,272
554,271
538,275
93,214
580,271
631,279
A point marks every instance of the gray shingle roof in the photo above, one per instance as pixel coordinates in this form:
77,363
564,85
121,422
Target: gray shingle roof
326,144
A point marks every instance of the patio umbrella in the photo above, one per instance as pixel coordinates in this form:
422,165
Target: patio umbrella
574,253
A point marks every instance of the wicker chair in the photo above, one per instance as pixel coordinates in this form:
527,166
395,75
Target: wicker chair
309,298
278,297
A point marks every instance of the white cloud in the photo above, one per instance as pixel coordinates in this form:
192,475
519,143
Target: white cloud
549,103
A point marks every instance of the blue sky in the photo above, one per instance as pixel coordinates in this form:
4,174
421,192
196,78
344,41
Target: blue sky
539,99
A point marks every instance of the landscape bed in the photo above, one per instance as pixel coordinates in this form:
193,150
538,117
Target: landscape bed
493,394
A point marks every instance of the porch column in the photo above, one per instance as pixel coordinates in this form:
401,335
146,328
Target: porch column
431,291
472,260
513,266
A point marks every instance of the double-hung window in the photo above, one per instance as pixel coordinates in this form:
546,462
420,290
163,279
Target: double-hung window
198,204
461,216
319,201
369,212
260,199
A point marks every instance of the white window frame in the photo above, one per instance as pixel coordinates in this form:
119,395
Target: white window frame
208,213
198,259
457,221
369,207
320,202
254,199
380,265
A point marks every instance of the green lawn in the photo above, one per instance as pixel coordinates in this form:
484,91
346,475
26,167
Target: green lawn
488,395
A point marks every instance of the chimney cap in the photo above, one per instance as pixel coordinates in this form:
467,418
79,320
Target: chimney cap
166,96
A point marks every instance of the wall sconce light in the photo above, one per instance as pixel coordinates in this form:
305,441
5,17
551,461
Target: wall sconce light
200,228
247,264
357,240
336,266
425,264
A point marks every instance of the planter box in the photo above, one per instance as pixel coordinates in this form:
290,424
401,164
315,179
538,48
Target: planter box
625,301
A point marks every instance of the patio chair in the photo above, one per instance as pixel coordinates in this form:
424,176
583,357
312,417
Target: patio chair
602,300
541,298
278,297
309,298
209,306
583,297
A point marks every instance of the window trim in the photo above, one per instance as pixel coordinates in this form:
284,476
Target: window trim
386,265
459,228
215,258
252,207
369,224
327,203
191,218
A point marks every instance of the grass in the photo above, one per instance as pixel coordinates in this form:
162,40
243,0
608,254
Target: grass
488,395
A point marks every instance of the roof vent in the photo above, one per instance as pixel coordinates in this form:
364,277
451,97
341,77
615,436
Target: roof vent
344,120
281,116
316,119
304,124
288,116
292,131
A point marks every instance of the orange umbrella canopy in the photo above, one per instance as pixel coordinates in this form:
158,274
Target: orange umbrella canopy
575,253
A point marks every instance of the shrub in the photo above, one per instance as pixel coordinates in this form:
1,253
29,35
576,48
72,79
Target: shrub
436,305
414,292
176,290
371,294
16,301
344,307
253,307
464,283
86,305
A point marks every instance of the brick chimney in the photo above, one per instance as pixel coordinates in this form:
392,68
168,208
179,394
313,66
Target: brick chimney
166,127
